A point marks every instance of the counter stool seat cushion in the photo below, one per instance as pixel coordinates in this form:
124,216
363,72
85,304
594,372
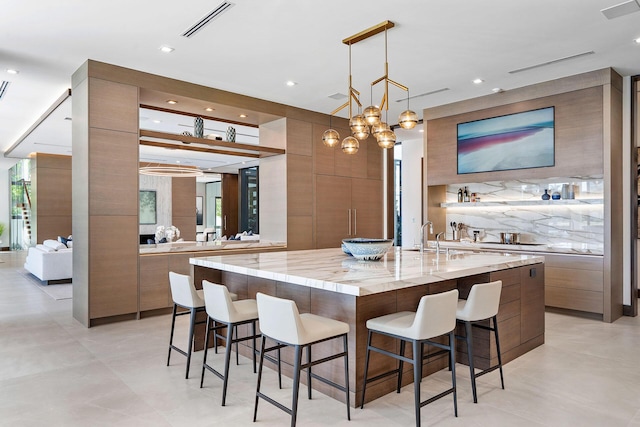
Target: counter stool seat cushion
317,328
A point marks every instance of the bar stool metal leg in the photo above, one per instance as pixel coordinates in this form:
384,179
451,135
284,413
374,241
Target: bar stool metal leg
472,370
192,326
173,326
495,330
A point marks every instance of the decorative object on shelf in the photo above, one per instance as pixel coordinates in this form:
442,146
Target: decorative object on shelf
465,195
555,195
367,249
198,127
231,134
372,115
167,234
186,133
546,195
459,195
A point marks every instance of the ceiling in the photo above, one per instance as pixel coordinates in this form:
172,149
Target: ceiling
254,48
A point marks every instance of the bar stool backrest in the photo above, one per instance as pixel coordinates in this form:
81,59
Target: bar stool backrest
280,319
483,302
435,316
183,292
218,302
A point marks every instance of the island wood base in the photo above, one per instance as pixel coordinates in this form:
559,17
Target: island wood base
520,321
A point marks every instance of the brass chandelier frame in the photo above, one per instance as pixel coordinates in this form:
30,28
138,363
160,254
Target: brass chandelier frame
385,136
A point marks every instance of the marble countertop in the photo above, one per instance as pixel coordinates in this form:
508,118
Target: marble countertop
550,248
222,245
332,270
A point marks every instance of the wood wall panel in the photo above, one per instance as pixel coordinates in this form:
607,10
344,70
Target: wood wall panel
532,302
51,197
323,156
110,106
300,234
154,283
113,164
366,204
183,198
113,263
299,185
299,138
578,139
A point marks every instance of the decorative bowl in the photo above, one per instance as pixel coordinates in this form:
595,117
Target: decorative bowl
367,249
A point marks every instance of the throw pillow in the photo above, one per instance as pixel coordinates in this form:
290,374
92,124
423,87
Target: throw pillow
53,244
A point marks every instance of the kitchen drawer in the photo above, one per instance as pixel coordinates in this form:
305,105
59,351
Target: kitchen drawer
578,262
586,280
574,299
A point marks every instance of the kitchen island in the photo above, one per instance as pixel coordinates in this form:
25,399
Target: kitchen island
329,283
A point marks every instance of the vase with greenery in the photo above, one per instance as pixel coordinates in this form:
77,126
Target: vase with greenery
1,231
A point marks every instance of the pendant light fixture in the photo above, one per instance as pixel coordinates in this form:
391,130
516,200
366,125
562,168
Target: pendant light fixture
372,115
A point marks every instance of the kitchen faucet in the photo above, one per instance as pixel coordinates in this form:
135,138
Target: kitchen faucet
430,224
438,236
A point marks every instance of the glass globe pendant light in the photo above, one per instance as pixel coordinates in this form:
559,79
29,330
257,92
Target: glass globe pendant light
372,115
386,139
331,137
408,119
377,128
357,123
350,145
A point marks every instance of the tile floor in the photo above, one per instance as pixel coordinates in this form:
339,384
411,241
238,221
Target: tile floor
54,372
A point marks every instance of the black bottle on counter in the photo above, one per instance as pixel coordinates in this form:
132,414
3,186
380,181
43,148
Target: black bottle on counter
466,194
459,195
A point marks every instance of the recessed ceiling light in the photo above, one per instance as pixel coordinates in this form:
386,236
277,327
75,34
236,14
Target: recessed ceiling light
12,71
208,109
477,81
291,83
637,41
166,49
243,116
157,121
171,101
496,90
177,161
421,131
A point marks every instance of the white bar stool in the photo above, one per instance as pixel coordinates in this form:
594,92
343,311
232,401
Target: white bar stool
435,316
482,304
281,322
226,313
184,295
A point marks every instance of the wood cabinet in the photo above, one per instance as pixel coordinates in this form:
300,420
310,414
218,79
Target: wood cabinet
575,282
347,207
531,302
229,204
348,197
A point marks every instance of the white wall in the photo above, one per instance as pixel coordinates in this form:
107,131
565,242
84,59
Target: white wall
411,208
272,176
162,187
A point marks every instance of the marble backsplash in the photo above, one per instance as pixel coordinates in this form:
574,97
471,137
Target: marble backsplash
578,221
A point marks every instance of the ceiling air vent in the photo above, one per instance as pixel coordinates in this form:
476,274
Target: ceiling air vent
621,9
544,64
222,7
3,88
433,92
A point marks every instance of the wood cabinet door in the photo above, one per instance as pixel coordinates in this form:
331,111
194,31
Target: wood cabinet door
333,207
229,204
366,204
532,302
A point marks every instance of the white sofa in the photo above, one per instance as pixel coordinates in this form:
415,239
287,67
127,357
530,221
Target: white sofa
49,264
